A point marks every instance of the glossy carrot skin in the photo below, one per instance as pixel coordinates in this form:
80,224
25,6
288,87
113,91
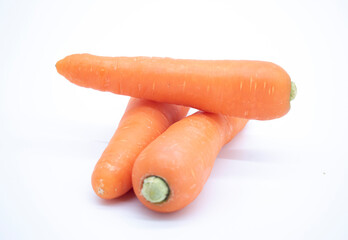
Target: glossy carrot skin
141,123
184,156
239,88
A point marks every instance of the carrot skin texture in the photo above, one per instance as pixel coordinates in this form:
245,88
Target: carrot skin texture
240,88
141,123
184,156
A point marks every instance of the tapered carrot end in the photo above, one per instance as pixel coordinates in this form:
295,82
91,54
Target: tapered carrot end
59,66
293,91
155,189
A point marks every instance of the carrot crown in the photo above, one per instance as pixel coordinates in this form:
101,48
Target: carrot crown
293,91
155,189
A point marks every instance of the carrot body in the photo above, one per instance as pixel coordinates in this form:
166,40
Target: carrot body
239,88
141,123
183,156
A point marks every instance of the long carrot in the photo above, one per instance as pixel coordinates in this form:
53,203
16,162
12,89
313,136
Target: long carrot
239,88
141,123
172,170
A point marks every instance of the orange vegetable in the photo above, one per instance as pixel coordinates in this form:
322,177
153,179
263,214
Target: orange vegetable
141,123
172,170
239,88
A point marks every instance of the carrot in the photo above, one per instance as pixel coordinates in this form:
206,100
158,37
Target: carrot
239,88
141,123
172,170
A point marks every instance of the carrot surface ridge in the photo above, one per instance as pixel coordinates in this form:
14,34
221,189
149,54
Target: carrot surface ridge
141,123
172,170
240,88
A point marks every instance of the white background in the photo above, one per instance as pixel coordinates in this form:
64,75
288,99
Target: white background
280,179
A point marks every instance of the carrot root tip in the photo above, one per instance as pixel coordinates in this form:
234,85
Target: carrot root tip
293,91
155,189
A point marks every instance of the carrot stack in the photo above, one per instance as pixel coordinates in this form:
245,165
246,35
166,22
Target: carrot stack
165,157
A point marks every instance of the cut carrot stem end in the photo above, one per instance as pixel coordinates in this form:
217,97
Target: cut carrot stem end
155,189
293,91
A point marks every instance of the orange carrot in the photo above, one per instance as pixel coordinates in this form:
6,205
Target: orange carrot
141,123
172,170
239,88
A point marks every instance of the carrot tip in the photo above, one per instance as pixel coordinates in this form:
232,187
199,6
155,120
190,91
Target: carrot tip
155,189
293,91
